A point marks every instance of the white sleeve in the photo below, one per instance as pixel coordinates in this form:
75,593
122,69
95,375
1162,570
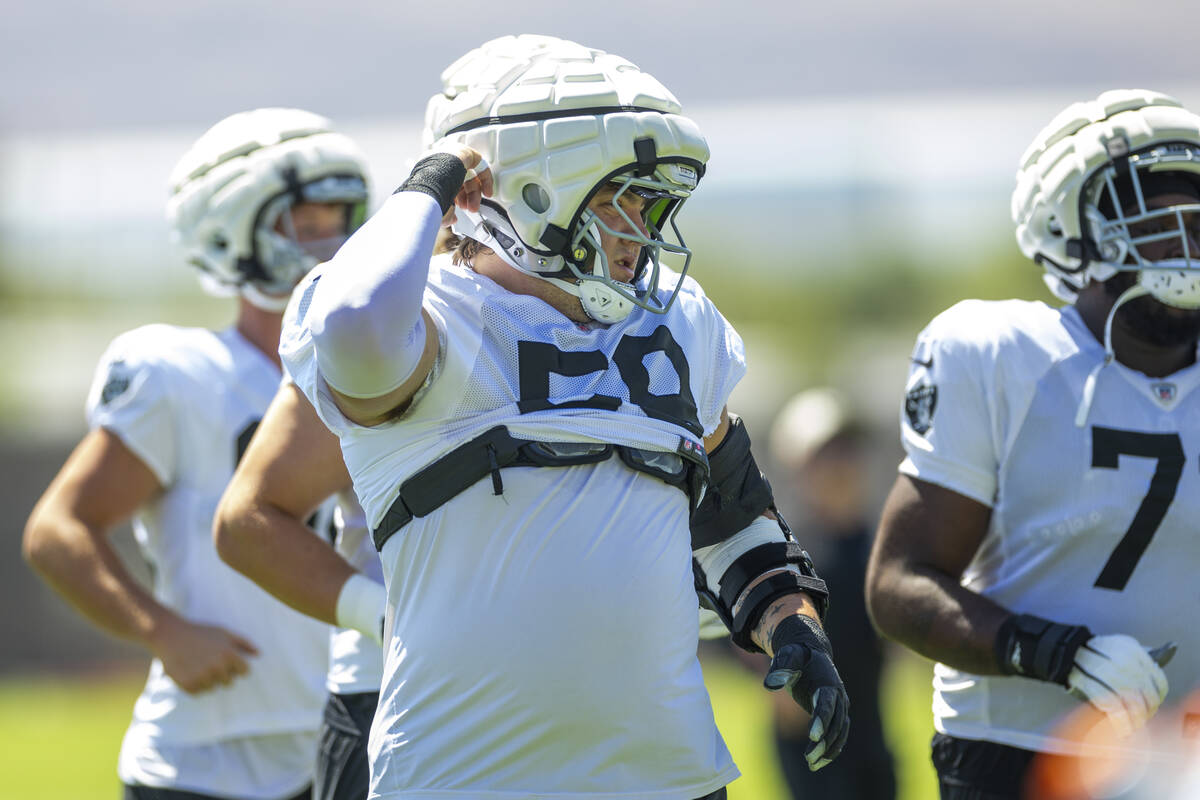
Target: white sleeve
130,398
365,315
948,420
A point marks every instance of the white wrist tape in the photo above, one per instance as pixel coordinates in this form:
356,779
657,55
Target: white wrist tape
360,605
478,169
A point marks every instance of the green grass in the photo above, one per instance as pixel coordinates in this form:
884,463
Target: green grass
742,709
61,735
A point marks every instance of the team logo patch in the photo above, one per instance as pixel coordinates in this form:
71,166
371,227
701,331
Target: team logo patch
117,382
919,405
1165,392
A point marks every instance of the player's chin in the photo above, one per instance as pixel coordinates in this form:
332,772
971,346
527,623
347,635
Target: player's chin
1159,324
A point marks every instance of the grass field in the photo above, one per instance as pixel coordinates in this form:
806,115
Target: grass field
61,736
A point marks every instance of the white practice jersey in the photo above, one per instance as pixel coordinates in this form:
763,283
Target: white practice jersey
544,638
355,661
186,402
1092,525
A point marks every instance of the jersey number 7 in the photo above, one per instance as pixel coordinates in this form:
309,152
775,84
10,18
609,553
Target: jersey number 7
1108,445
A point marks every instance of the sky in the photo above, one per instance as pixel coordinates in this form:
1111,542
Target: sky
932,100
85,65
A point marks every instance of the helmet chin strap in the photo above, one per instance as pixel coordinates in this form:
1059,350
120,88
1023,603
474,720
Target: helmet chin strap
271,303
599,302
1089,386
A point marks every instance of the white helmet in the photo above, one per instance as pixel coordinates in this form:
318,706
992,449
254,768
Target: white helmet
232,191
556,121
1084,181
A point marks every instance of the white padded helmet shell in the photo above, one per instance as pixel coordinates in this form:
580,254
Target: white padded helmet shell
229,190
556,121
1070,172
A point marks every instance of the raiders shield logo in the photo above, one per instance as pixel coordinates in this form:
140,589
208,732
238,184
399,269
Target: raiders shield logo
919,404
116,383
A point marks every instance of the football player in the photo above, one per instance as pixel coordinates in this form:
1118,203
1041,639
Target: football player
1039,542
535,427
232,703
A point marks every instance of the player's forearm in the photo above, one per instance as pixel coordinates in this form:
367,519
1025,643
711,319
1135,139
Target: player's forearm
78,563
932,614
279,553
787,606
366,309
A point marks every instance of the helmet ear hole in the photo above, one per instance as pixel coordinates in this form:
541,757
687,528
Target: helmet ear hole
536,198
1054,227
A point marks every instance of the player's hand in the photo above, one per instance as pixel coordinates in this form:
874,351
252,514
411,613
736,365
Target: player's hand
1116,675
803,663
201,657
477,184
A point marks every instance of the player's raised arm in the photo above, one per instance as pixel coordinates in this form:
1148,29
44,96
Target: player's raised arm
373,343
294,463
764,586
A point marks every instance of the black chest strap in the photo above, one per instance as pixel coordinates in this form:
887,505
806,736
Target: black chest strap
494,449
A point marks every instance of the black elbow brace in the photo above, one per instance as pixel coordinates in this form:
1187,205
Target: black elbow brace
800,576
737,491
737,495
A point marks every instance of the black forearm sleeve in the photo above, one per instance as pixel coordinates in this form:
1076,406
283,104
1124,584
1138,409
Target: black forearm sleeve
439,175
737,491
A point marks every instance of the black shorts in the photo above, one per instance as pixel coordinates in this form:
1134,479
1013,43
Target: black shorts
343,772
976,770
155,793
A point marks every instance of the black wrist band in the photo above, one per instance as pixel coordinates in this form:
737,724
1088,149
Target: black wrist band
439,175
1038,648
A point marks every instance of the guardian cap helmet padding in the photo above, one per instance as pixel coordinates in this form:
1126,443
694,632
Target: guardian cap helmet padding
237,184
556,121
1080,201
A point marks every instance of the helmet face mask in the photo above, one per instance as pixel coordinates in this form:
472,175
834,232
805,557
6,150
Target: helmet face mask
662,203
558,122
1157,240
281,256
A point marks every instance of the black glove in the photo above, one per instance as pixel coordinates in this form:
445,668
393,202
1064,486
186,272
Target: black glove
803,662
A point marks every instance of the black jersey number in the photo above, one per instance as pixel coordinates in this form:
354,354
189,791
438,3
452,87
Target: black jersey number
537,360
1108,445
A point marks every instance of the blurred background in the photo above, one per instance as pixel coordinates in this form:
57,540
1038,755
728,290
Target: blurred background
862,158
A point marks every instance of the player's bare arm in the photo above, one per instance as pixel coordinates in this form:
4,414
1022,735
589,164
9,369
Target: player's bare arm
927,536
66,540
376,344
293,463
